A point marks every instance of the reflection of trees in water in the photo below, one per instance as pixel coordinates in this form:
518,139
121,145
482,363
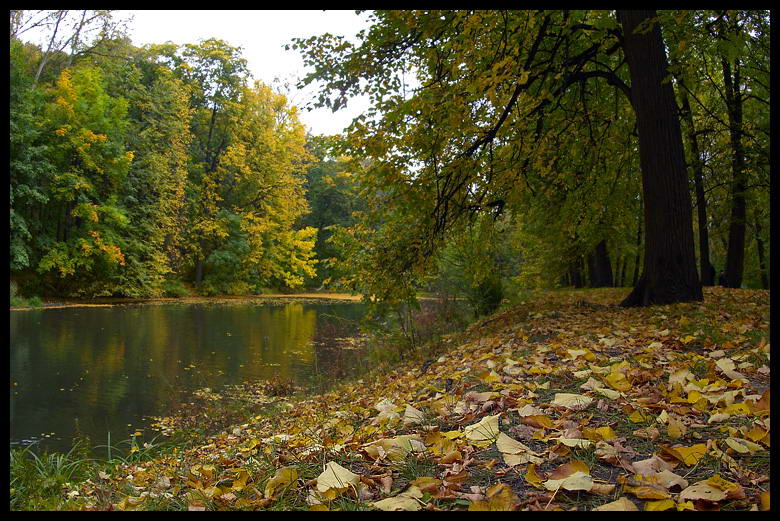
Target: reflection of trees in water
120,364
335,358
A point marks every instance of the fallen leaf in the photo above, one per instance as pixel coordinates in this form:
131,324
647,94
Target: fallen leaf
282,478
499,498
571,401
484,430
336,477
703,490
408,500
687,455
622,504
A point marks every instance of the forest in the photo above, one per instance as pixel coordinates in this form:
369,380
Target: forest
505,153
521,162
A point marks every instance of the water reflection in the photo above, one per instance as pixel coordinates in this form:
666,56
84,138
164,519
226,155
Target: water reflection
89,371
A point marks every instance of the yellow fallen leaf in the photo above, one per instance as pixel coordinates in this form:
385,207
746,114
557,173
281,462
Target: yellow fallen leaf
618,381
532,477
609,393
573,475
685,505
647,491
600,434
571,401
639,416
575,442
732,490
407,501
703,490
412,415
499,497
764,496
484,430
743,446
282,478
336,477
622,504
664,504
539,421
426,483
509,445
687,455
676,429
395,449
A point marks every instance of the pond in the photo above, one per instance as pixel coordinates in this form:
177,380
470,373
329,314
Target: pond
94,370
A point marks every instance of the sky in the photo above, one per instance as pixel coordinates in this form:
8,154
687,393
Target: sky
261,34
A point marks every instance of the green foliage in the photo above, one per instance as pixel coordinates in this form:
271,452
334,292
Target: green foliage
134,167
518,112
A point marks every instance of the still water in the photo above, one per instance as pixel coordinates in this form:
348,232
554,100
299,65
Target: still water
91,371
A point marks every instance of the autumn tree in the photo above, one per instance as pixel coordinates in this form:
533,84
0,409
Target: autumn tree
475,132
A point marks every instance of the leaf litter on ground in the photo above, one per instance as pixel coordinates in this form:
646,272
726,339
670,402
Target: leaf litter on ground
552,405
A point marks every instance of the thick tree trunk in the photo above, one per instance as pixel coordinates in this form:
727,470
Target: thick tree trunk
670,260
635,276
735,257
576,274
599,266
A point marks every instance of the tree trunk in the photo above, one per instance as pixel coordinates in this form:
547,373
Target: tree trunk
623,272
198,271
669,274
706,269
600,267
576,274
735,257
48,51
761,253
635,276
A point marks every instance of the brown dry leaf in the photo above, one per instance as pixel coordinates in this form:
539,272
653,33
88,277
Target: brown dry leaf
651,465
602,489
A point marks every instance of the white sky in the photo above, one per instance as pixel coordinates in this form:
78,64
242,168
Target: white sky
261,34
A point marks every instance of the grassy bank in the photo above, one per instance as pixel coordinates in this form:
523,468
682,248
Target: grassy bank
566,402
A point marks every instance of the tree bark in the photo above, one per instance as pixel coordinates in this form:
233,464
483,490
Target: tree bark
635,276
576,273
735,257
706,269
761,253
599,266
670,273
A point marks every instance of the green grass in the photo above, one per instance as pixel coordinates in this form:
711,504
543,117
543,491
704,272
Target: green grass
37,481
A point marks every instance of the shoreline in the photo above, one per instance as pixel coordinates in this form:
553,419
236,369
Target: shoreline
113,301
